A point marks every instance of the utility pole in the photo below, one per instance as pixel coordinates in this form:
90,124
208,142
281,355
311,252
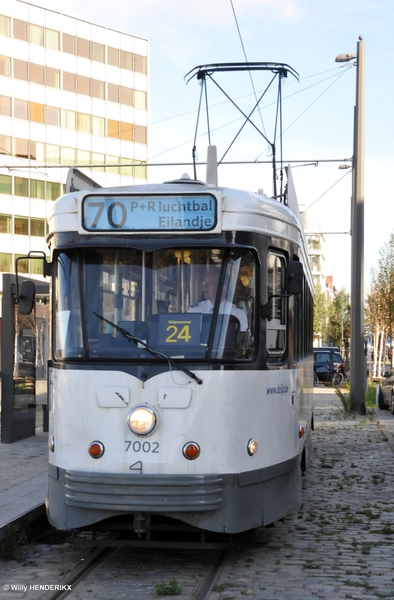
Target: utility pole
357,352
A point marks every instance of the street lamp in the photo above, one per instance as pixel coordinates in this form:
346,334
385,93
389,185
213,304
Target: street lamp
357,354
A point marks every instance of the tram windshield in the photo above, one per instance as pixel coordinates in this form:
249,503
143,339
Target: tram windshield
188,303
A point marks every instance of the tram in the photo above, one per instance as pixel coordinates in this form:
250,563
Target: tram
180,379
181,367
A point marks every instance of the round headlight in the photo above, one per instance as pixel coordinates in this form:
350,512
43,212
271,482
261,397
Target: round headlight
252,447
142,420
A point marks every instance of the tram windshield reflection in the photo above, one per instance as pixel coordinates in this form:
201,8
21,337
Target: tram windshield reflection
191,303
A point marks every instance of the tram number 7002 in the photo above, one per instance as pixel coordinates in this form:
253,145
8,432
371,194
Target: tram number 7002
147,447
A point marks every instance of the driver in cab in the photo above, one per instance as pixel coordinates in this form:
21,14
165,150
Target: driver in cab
210,286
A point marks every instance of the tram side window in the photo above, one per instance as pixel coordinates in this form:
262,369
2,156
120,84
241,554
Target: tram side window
276,327
68,326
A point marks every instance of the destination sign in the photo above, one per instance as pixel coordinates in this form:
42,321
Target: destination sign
121,213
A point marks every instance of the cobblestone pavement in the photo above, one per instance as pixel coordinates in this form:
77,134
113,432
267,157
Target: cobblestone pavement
340,544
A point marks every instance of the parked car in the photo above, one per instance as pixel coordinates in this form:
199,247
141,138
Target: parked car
386,392
325,360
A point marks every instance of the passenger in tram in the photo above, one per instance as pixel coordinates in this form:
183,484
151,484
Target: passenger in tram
210,285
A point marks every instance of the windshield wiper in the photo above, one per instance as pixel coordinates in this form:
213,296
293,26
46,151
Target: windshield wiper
156,353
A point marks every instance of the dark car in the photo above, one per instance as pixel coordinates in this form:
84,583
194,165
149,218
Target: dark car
325,361
386,392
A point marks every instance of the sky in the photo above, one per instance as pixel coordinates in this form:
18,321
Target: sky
317,110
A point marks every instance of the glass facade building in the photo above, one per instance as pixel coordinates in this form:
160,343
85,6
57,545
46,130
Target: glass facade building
71,93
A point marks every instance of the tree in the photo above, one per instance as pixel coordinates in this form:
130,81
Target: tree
320,314
338,327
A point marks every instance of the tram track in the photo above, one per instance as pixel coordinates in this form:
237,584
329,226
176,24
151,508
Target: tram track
104,558
201,592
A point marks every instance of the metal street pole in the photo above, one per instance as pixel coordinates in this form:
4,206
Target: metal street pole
357,353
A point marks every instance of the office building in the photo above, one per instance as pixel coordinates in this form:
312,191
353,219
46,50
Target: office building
71,93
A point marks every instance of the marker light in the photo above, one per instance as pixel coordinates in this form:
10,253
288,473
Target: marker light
252,447
96,449
191,450
142,420
301,431
51,443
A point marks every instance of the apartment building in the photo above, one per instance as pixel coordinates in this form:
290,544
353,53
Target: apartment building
71,93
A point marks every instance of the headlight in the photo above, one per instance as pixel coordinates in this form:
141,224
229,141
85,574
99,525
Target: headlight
252,447
142,420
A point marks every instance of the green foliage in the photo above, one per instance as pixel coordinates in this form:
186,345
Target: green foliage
320,313
338,326
173,588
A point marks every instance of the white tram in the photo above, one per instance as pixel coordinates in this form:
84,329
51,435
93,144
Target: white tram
181,369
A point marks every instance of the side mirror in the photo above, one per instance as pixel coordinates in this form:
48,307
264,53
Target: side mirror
27,293
294,277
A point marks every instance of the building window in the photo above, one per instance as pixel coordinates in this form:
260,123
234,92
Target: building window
126,170
98,126
5,144
83,48
5,106
21,186
20,69
36,74
84,122
98,52
112,128
83,157
36,34
37,151
5,184
52,77
140,134
20,30
37,227
23,265
21,109
36,265
5,28
98,89
69,156
140,169
37,189
69,82
5,65
115,161
21,148
98,159
113,92
5,224
126,60
52,39
69,43
126,131
21,225
52,155
69,119
140,64
5,262
140,100
37,112
83,85
52,116
53,190
126,95
113,56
